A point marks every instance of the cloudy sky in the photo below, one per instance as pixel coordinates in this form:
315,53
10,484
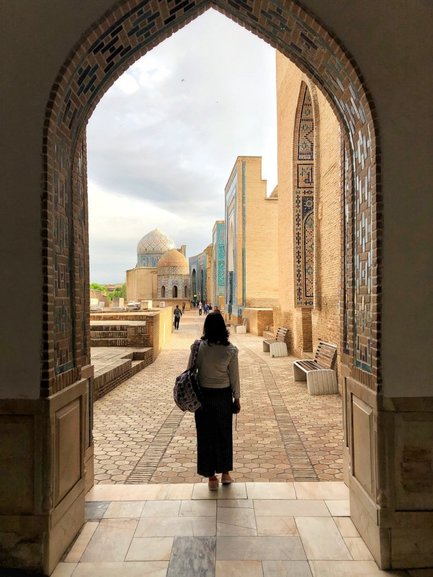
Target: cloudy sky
163,140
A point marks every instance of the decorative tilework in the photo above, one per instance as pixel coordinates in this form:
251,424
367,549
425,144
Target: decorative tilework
81,244
347,320
218,242
198,273
304,199
63,265
123,35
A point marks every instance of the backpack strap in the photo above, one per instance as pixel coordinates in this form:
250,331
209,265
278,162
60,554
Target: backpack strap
195,349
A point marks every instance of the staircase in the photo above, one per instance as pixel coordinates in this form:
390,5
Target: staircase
114,367
104,335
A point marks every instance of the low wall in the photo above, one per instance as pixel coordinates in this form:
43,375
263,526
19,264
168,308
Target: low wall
162,327
108,381
258,319
158,327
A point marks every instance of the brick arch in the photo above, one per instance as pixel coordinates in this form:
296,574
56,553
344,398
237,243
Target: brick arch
110,46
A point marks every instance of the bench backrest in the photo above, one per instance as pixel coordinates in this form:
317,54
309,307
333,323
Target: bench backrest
326,354
281,335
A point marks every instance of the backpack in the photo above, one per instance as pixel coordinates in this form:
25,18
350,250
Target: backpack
186,390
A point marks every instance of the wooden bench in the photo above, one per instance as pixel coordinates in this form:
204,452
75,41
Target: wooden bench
277,347
319,372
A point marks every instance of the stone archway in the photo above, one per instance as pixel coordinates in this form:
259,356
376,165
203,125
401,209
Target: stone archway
122,36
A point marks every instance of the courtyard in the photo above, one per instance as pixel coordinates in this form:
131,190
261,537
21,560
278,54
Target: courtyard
287,514
282,433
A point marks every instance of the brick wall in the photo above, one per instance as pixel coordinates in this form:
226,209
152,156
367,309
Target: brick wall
258,320
159,325
326,313
307,324
141,284
261,232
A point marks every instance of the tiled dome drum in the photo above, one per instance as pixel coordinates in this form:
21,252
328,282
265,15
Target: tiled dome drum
173,275
151,247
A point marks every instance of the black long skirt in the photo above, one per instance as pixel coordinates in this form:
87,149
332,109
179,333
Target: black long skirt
213,422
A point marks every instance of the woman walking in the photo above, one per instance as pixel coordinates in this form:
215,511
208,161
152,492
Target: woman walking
218,375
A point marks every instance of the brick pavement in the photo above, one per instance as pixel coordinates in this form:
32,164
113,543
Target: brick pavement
283,433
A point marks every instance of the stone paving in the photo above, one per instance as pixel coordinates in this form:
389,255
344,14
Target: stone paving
283,433
299,529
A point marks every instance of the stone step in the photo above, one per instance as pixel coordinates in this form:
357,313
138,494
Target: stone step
108,378
109,342
105,327
106,334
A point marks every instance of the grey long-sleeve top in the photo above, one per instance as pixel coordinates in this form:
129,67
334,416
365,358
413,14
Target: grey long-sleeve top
218,367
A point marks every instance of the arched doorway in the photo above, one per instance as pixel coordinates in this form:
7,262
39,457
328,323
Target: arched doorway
194,285
121,37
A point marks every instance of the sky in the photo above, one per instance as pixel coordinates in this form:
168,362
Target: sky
164,138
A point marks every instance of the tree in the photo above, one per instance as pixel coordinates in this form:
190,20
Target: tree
119,292
98,287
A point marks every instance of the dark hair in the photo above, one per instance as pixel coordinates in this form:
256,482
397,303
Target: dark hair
215,330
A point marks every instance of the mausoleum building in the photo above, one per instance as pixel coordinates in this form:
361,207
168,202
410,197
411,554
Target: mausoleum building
161,272
251,219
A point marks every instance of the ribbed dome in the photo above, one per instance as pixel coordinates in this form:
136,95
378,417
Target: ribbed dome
154,242
174,258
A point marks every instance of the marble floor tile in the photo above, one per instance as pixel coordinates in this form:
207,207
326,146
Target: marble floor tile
276,526
358,549
192,557
81,542
175,491
125,569
237,503
349,569
94,510
321,490
150,549
270,491
346,527
123,492
236,522
110,541
124,509
161,509
239,569
321,538
64,570
173,526
234,491
198,508
291,508
286,569
260,548
339,507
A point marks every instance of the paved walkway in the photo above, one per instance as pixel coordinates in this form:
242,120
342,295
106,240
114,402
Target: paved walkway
283,433
245,530
139,524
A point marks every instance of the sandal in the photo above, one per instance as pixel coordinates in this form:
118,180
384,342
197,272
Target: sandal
226,479
213,483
